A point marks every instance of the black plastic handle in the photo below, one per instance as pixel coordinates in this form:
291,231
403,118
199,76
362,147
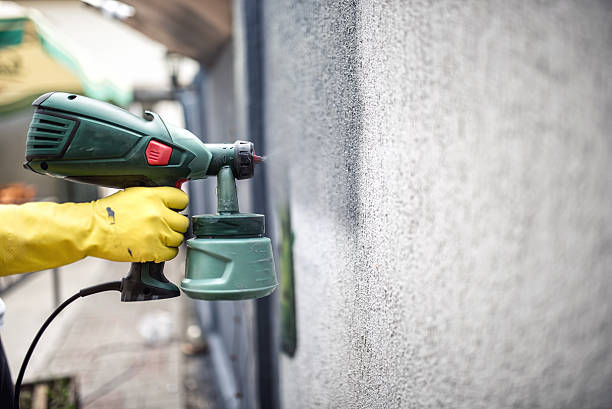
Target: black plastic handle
146,281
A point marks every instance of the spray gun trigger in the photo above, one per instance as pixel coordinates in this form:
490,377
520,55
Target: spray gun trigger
179,183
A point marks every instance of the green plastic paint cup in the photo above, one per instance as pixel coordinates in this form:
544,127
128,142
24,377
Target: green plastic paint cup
229,259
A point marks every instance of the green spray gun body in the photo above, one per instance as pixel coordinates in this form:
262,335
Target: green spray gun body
89,141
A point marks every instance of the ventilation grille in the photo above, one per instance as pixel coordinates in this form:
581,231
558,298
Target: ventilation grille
48,135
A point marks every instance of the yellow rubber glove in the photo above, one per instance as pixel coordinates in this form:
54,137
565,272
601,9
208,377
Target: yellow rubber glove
135,225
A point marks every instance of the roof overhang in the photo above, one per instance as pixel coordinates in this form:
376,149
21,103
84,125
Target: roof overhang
193,28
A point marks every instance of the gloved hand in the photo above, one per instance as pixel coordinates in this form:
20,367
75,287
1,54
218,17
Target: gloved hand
135,225
138,225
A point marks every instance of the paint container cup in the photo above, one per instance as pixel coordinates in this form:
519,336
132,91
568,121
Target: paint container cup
229,259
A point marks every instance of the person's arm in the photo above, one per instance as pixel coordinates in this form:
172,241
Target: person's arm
133,225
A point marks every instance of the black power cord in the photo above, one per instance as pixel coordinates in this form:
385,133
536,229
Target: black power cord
111,286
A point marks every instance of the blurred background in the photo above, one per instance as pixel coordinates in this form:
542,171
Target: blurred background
437,189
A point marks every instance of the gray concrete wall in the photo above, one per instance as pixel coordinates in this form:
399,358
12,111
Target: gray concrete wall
448,168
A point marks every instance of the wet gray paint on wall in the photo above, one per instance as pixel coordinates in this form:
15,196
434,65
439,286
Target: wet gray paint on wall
450,184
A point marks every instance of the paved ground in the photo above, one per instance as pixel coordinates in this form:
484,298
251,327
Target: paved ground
106,343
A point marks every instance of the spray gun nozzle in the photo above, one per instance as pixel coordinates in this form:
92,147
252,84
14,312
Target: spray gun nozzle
259,159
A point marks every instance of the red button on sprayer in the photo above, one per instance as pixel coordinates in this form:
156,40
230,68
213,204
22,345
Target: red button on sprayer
157,153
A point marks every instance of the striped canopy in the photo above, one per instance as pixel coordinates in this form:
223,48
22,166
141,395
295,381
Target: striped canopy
35,59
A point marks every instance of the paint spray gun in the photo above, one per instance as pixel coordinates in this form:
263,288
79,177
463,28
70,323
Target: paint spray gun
85,140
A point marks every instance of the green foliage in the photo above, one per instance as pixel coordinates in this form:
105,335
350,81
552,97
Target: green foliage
287,301
61,393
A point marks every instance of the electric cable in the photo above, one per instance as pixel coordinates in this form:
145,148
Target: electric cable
84,292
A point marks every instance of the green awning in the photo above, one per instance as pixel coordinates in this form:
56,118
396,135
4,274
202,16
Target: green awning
35,58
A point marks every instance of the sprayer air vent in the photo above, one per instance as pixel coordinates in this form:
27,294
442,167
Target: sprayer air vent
48,135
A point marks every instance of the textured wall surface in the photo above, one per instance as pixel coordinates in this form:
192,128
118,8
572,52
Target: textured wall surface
448,168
